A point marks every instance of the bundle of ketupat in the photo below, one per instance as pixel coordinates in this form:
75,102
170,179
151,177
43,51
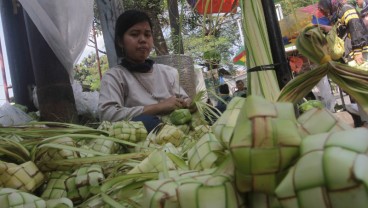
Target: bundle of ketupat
264,144
332,172
312,44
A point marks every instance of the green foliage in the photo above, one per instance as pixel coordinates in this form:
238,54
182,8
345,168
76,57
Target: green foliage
288,6
87,71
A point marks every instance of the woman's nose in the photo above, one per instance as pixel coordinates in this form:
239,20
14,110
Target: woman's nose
142,38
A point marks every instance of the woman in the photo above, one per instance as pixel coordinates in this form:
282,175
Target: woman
138,89
348,25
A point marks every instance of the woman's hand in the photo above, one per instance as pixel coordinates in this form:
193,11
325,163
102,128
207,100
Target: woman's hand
170,104
358,57
190,105
325,28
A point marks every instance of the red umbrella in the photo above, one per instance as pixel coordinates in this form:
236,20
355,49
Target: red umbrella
214,6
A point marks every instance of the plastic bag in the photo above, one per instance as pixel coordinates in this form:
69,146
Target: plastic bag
12,116
335,45
323,93
65,25
86,102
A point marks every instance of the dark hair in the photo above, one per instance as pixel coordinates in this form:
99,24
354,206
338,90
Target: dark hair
125,21
224,89
239,81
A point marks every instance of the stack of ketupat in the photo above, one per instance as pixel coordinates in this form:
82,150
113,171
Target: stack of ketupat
257,154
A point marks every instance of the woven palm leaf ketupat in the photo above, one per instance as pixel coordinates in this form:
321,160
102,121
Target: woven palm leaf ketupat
12,198
316,121
104,145
165,133
191,191
223,128
55,187
15,198
80,184
180,116
155,162
46,154
332,172
206,153
264,144
132,131
200,130
25,177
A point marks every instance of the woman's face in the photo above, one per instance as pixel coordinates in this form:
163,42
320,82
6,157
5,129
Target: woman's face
137,42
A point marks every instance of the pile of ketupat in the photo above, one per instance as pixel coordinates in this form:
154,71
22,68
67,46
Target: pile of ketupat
257,154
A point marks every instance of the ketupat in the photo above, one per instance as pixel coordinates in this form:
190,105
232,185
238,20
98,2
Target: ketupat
191,191
55,187
332,172
155,162
180,116
264,144
223,128
25,177
317,121
81,184
165,133
12,198
206,153
46,154
132,131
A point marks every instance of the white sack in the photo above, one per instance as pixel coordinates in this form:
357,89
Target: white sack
65,25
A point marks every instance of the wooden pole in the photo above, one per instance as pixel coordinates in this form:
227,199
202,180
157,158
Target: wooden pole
282,67
17,50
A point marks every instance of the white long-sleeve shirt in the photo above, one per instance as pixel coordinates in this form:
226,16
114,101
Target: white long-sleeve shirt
124,95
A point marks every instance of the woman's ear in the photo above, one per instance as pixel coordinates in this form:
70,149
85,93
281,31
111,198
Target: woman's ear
120,42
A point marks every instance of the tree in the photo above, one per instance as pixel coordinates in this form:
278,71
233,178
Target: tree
87,71
289,6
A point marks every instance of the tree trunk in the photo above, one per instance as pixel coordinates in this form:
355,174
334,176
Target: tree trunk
54,91
175,27
158,36
109,12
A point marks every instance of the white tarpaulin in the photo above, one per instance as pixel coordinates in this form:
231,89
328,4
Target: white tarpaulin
65,25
